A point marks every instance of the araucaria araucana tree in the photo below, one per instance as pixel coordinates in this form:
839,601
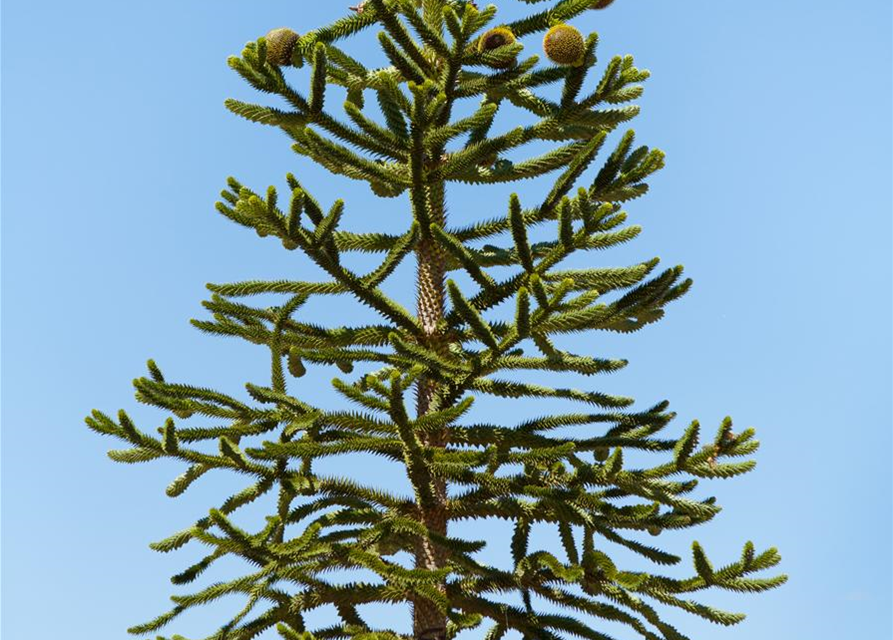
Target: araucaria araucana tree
442,53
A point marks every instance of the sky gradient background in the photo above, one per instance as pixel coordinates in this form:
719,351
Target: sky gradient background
776,120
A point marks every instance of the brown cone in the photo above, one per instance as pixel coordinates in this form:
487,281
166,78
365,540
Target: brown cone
495,38
564,45
280,44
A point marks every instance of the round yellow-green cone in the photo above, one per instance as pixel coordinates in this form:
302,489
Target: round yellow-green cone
564,45
601,4
280,44
655,531
495,38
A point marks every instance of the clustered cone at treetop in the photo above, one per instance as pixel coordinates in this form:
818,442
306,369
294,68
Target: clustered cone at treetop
447,351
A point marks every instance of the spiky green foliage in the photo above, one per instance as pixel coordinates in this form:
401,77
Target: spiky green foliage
447,352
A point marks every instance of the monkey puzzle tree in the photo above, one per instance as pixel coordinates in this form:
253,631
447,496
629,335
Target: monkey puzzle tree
442,53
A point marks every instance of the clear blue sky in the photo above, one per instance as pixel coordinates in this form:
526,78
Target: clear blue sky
776,118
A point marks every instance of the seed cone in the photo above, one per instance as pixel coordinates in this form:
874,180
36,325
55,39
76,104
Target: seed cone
564,45
280,44
495,38
601,4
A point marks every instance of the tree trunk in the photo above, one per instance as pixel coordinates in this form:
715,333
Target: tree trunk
428,622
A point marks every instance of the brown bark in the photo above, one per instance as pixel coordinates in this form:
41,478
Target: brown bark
428,622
